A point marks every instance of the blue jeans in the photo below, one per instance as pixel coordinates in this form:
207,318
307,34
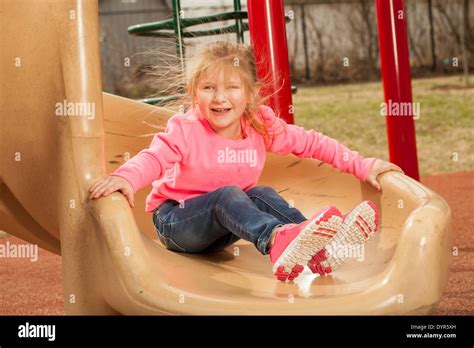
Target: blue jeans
214,220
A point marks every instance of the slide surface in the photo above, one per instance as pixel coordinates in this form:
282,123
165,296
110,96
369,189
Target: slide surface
113,262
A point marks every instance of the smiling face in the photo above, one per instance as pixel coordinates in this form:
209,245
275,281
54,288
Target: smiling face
222,99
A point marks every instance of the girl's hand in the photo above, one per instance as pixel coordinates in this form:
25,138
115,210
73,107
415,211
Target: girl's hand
110,184
379,167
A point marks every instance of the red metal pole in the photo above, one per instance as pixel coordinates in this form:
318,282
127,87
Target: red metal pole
395,64
268,37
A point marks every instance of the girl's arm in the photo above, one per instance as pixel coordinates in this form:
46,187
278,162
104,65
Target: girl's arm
288,138
150,164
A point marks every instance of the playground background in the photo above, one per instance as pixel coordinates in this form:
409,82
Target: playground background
36,287
320,35
342,103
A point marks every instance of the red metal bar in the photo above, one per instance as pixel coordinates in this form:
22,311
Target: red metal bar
268,37
395,64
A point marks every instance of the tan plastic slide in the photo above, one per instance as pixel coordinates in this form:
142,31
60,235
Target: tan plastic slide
112,260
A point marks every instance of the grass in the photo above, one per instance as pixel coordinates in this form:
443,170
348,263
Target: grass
351,114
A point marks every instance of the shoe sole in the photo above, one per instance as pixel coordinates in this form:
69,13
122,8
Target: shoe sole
358,227
301,250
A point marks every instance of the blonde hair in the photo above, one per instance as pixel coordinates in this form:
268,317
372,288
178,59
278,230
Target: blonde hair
170,79
231,58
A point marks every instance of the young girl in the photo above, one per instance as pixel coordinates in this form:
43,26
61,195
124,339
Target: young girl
205,166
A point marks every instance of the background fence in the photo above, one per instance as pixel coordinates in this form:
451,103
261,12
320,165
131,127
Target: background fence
328,41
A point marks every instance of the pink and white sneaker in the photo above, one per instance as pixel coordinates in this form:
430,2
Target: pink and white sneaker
358,227
296,244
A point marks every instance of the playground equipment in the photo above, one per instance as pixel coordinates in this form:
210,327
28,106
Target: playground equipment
111,258
268,36
396,79
274,53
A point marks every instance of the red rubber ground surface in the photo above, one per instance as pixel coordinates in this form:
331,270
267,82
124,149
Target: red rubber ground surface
35,288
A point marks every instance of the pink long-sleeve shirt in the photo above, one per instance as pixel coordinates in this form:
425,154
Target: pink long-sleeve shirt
190,158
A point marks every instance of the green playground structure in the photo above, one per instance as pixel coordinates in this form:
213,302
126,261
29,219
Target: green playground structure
175,28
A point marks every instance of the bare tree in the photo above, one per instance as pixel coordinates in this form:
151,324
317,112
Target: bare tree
366,12
461,33
469,38
317,35
441,7
464,37
414,31
432,39
360,17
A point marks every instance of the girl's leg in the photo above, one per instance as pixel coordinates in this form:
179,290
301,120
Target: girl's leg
269,201
205,219
222,243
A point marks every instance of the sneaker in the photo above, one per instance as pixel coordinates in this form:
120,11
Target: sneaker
358,227
296,244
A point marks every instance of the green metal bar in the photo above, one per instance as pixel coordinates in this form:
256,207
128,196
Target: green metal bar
178,30
218,31
215,18
158,100
178,23
186,22
238,23
197,33
152,29
162,25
